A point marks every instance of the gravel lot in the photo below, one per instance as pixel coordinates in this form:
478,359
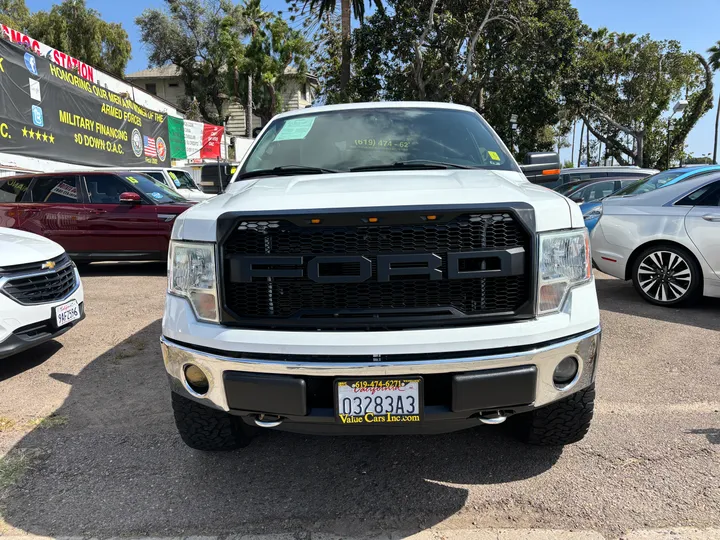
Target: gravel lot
107,460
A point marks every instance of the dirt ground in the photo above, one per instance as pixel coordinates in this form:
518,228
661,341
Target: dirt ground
90,448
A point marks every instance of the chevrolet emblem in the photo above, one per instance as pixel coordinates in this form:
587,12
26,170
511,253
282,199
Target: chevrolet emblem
48,265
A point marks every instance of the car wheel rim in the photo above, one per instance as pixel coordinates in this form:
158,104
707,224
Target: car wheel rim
664,276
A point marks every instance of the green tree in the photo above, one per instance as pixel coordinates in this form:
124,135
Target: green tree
622,85
714,61
79,31
14,13
274,55
499,57
348,8
198,36
325,57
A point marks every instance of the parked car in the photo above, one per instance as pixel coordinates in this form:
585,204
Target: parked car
591,210
667,241
213,175
593,173
41,295
177,179
576,185
596,190
383,268
94,215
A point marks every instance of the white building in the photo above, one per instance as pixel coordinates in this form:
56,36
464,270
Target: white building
166,83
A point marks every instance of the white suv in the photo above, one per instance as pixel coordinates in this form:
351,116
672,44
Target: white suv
41,295
382,268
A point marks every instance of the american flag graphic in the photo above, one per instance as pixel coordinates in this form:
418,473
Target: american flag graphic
150,148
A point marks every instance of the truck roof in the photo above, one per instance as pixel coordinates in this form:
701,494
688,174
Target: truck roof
377,105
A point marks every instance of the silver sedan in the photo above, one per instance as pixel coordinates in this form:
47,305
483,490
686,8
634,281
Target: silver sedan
666,241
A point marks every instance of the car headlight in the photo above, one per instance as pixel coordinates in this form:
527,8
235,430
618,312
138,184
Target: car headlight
191,274
593,213
565,262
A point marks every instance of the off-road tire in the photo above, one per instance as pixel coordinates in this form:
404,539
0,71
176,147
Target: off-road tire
560,423
204,428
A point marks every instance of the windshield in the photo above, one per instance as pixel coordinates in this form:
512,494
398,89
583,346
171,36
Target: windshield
347,139
182,180
649,184
157,191
565,189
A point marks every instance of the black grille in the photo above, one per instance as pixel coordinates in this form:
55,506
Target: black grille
416,300
43,288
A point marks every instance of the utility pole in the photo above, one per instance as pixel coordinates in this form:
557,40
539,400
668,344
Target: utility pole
572,152
249,110
587,146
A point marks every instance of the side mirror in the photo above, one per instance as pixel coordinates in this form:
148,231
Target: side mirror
541,167
130,197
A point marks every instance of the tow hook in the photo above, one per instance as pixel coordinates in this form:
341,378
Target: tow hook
266,421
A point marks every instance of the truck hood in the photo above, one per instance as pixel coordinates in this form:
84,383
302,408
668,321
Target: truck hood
19,247
378,190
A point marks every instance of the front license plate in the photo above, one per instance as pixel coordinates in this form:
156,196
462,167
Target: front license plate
379,401
67,313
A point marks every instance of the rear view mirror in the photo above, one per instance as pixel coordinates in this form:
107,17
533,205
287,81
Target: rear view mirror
130,197
541,167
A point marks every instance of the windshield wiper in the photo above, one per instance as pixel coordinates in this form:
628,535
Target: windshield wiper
285,170
411,164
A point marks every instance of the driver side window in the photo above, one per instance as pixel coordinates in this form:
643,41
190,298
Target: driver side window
105,188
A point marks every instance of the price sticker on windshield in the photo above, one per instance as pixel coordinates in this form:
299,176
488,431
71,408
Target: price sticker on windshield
132,179
493,155
295,128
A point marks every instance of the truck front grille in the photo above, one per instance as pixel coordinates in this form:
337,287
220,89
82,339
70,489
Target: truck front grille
279,244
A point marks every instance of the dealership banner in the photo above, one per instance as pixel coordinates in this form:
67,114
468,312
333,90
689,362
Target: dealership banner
39,48
49,112
194,140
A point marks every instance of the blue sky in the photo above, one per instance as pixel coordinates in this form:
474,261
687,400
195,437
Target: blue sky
695,23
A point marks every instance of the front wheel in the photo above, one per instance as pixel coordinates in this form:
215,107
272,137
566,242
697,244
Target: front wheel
204,428
563,422
666,275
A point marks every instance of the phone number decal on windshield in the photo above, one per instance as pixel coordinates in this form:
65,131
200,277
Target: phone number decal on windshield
381,143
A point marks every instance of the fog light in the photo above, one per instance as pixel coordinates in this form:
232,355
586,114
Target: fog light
196,379
565,371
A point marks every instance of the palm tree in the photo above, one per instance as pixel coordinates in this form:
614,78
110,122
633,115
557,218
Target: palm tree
714,61
347,8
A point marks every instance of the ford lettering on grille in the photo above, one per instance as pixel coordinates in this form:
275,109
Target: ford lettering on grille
508,262
338,271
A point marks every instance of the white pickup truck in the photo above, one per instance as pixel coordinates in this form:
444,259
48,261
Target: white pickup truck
381,268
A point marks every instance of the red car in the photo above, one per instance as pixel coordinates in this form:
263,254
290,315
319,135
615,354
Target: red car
95,216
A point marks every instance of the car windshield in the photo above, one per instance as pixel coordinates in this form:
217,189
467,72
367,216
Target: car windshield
377,138
649,184
568,188
182,180
157,191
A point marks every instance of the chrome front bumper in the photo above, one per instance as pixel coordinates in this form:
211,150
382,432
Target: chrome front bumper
585,348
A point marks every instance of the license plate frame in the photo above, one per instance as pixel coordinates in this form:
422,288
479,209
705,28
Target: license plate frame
388,419
71,306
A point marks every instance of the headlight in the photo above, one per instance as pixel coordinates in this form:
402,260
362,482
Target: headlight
565,262
593,213
191,274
